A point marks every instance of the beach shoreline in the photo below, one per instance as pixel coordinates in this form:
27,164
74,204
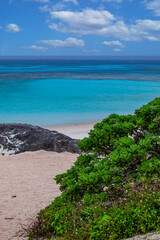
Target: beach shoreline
73,130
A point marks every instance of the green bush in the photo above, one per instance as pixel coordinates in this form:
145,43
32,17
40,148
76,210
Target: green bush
112,191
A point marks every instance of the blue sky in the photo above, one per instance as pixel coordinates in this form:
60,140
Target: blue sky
79,27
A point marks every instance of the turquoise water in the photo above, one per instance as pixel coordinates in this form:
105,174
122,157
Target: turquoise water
46,93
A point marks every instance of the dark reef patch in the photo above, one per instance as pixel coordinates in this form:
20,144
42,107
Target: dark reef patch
17,138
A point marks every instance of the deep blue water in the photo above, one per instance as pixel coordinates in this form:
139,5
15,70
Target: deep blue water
45,92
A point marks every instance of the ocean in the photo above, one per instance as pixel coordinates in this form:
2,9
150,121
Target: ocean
61,91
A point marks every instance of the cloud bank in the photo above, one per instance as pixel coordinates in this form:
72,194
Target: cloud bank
154,6
103,23
40,1
36,48
68,43
113,44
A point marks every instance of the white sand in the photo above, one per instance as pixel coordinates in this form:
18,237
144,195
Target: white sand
29,177
77,130
26,181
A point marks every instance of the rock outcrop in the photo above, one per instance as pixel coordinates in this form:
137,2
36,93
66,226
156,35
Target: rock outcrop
149,236
17,138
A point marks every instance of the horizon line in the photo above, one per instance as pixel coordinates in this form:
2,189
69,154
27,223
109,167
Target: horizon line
78,57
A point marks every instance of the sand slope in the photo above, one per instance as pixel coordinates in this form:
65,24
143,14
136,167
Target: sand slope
27,186
76,130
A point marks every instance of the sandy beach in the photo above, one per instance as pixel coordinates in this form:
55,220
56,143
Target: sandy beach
76,130
27,183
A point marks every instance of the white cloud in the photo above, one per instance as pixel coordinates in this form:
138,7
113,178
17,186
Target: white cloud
154,5
118,1
36,48
152,38
103,23
117,50
145,26
58,6
68,43
40,1
14,28
81,22
113,44
45,8
73,1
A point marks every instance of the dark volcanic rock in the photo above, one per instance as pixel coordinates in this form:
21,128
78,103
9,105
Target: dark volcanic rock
17,138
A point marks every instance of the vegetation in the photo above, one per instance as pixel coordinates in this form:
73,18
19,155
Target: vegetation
113,189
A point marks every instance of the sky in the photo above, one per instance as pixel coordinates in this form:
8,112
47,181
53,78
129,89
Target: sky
80,28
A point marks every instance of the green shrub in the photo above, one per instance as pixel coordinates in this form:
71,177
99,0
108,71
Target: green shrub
112,191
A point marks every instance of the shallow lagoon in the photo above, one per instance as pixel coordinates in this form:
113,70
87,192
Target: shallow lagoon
51,99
